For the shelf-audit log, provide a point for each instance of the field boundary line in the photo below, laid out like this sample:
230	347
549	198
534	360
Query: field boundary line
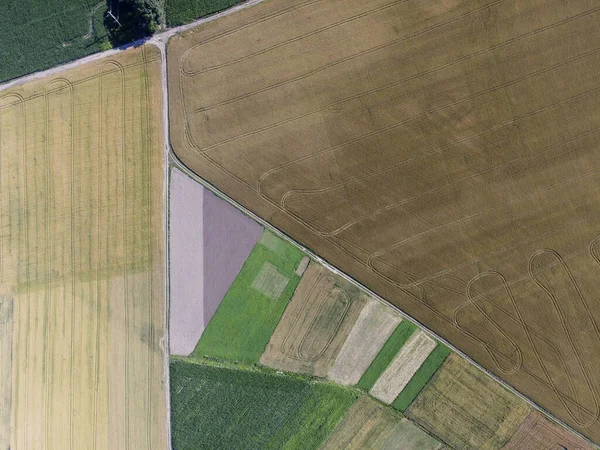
160	44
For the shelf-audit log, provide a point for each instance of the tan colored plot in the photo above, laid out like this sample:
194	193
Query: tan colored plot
400	371
466	408
370	425
81	223
445	154
315	324
538	433
373	327
6	310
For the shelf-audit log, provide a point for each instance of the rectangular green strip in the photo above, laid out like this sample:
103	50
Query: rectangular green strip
421	377
387	354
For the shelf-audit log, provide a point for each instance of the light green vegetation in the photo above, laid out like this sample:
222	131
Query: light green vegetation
421	377
386	354
220	408
180	12
38	34
247	316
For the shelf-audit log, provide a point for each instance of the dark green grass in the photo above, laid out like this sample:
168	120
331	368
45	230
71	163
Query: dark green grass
386	354
421	377
246	318
217	408
180	12
39	34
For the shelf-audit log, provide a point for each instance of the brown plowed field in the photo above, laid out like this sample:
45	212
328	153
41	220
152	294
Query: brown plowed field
446	154
538	433
315	324
81	244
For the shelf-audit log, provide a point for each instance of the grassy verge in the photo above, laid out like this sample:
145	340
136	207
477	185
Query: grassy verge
180	12
386	354
246	318
421	377
222	408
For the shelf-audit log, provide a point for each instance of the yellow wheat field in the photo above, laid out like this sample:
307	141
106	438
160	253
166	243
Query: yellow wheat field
81	245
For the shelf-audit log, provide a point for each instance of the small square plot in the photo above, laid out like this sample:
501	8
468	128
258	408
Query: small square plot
270	282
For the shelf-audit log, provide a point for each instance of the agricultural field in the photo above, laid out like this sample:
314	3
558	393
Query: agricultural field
421	377
461	187
370	425
466	408
222	408
246	317
39	34
81	244
538	433
6	326
180	12
387	354
404	366
370	332
209	241
315	325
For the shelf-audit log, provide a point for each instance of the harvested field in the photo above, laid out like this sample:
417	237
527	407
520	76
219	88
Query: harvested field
6	325
217	408
373	327
461	186
245	319
316	323
421	377
538	433
370	425
466	408
404	366
81	240
387	353
209	242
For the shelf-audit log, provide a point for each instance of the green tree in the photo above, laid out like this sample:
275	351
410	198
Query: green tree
130	20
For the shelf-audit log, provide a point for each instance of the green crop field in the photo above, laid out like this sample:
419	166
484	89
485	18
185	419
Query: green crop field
420	379
251	309
180	12
38	34
219	408
386	354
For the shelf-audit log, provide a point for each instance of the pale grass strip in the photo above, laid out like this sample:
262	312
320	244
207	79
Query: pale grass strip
404	366
372	329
